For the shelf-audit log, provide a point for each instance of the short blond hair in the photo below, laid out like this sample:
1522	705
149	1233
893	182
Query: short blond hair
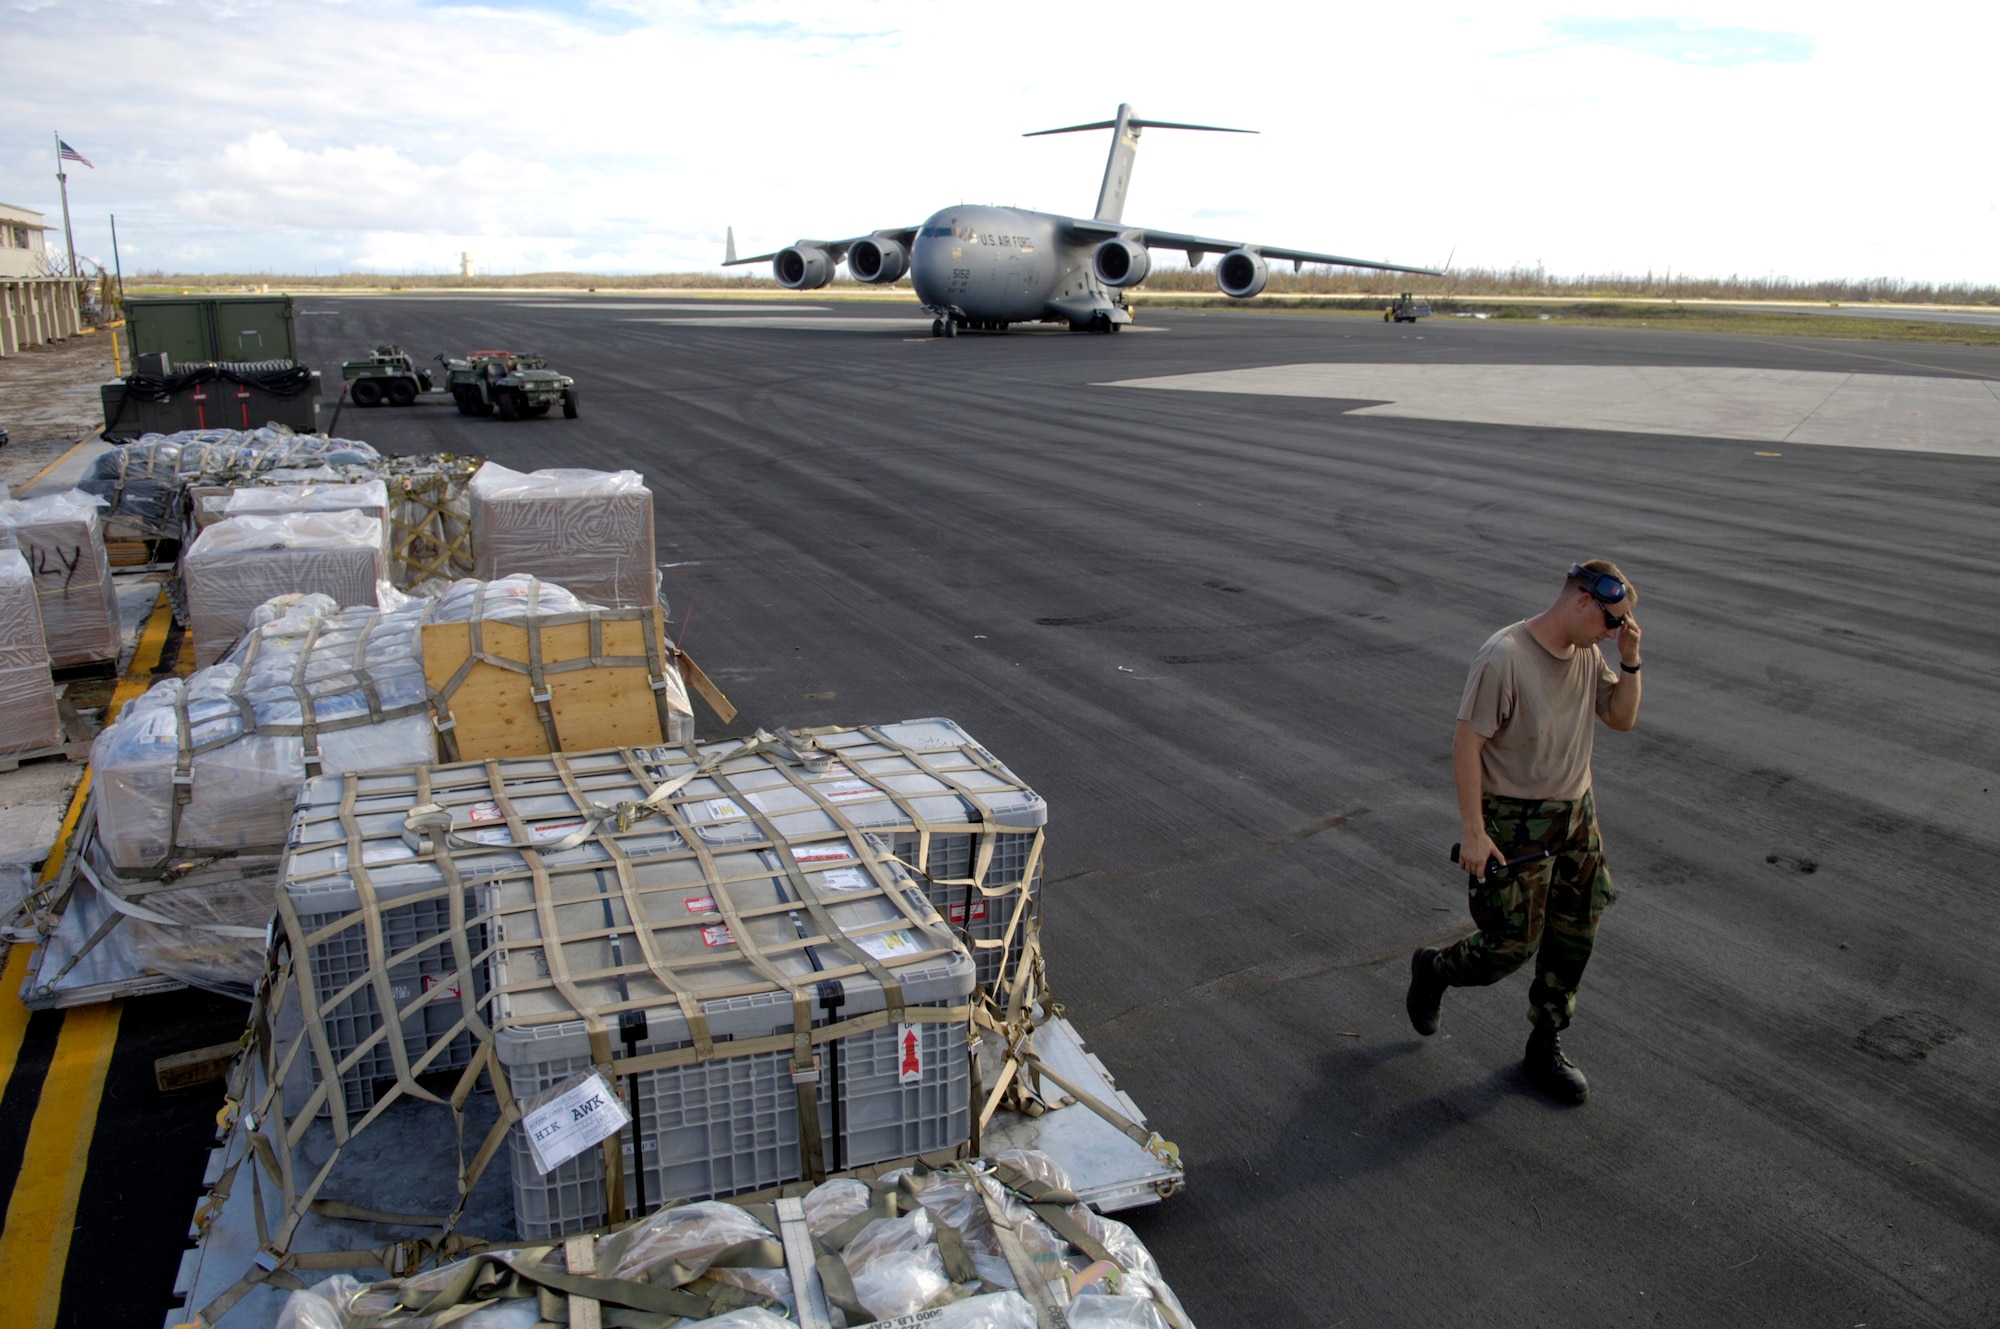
1605	565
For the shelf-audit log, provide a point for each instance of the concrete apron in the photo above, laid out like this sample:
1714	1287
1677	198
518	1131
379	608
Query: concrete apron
1960	416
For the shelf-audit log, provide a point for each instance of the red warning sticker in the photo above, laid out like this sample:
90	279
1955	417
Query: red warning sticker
978	912
717	934
909	1055
701	904
821	853
439	990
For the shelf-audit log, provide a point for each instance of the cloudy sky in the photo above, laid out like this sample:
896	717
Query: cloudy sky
1802	139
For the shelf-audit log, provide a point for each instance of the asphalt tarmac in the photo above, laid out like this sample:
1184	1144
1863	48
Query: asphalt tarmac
1225	634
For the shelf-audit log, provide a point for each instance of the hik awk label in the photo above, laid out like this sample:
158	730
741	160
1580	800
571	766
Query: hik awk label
585	1114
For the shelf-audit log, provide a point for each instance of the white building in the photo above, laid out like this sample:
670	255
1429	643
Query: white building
36	306
23	253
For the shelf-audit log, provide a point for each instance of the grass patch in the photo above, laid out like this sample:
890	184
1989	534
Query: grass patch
1615	314
1758	322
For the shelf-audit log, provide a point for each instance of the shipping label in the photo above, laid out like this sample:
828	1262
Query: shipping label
585	1114
846	879
889	945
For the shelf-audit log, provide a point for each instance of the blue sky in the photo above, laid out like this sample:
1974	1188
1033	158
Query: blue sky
624	135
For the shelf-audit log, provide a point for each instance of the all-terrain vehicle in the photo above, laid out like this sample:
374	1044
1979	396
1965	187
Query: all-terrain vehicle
388	374
507	384
1408	309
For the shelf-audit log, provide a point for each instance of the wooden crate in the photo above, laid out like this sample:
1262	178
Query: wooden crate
492	711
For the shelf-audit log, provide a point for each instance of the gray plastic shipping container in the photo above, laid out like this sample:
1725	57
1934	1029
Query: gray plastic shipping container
969	910
729	1124
417	930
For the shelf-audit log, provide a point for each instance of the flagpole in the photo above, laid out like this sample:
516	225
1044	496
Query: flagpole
63	180
118	266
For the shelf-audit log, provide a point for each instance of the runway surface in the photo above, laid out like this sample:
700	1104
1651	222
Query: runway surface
1224	634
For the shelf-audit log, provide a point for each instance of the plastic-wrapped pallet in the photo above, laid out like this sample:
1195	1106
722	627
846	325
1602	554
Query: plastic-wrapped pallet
872	1251
215	763
62	538
804	1007
368	497
142	481
240	562
28	717
206	928
591	531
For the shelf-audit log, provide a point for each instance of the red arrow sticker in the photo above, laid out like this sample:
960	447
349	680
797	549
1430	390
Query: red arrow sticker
910	1055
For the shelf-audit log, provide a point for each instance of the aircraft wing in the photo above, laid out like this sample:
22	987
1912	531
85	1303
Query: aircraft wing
836	249
1200	246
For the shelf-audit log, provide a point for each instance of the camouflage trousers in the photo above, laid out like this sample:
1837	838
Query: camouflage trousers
1548	909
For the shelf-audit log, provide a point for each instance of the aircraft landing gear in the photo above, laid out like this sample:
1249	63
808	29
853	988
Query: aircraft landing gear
937	327
1103	323
951	327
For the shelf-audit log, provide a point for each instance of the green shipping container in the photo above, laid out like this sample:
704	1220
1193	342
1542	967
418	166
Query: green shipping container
192	329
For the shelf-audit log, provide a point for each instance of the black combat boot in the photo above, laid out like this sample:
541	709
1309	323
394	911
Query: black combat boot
1550	1070
1426	991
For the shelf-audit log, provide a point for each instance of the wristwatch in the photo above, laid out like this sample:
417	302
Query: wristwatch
1631	668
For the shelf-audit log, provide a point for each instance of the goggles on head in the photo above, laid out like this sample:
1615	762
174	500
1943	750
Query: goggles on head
1599	586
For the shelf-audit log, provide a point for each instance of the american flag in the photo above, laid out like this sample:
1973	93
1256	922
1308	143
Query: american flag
70	154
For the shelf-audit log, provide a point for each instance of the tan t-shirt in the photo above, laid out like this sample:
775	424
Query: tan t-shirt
1537	713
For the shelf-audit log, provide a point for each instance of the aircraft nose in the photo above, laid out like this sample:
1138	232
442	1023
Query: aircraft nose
930	269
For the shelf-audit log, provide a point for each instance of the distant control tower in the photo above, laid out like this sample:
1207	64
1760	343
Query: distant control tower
466	267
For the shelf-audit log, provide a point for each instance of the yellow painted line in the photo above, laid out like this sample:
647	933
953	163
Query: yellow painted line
67	454
145	657
34	1246
34	1243
13	1015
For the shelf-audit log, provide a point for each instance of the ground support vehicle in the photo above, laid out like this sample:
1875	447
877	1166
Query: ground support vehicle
1407	309
210	362
389	375
507	384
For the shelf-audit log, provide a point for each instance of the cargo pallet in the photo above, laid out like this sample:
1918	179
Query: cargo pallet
1111	1171
67	751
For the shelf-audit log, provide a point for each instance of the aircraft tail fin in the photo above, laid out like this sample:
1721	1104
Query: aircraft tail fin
1124	147
729	250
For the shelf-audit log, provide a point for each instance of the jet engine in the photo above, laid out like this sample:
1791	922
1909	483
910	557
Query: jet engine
1122	263
802	268
877	260
1242	273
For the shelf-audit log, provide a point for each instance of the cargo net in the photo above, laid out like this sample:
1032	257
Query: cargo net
463	937
194	784
430	523
426	508
143	482
997	1243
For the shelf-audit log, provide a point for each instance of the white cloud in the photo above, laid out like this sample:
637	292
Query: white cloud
625	134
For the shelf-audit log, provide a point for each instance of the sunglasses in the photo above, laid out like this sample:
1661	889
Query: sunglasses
1603	588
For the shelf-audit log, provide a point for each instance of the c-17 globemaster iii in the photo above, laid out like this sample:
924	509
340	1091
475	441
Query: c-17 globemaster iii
987	267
